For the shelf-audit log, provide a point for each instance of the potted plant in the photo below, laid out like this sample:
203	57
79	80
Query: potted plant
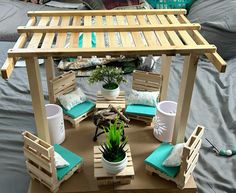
114	158
111	78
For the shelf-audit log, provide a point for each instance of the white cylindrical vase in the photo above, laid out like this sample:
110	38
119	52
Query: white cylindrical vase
55	123
165	120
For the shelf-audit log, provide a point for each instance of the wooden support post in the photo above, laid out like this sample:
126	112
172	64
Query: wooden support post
185	94
50	73
165	71
36	92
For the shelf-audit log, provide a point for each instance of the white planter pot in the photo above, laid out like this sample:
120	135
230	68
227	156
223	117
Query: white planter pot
114	167
110	94
165	120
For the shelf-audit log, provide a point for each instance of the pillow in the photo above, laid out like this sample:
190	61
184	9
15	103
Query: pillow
170	4
218	22
72	99
174	159
60	162
143	98
111	4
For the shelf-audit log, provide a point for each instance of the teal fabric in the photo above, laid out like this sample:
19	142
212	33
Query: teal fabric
79	109
158	156
170	4
93	38
70	157
141	110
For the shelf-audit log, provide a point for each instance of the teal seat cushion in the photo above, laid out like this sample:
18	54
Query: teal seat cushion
70	157
158	156
141	110
79	109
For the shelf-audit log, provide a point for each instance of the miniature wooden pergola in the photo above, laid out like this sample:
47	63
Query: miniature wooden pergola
141	32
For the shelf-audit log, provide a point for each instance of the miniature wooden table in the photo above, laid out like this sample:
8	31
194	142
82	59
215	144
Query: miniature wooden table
142	32
102	103
142	143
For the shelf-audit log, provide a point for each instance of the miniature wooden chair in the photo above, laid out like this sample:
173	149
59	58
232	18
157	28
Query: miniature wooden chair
144	81
40	161
181	174
62	85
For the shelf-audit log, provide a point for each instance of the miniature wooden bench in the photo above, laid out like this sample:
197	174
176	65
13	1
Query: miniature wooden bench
189	159
40	161
145	81
103	178
64	84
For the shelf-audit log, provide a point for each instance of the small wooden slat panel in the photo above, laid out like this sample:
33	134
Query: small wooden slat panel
102	103
112	40
38	146
100	172
74	38
36	37
87	36
125	37
100	41
146	81
143	118
61	37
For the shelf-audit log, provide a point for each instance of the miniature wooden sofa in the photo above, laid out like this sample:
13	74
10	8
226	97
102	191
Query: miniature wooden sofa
62	85
181	174
144	81
40	161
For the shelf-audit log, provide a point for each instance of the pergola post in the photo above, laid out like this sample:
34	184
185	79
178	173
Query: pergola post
185	95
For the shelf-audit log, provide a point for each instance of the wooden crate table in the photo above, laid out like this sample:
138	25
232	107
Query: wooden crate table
102	103
103	178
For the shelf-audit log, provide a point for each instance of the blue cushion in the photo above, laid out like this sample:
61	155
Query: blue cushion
141	110
158	156
70	157
79	109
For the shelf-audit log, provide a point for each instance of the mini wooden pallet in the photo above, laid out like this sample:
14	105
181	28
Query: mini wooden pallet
147	120
189	159
64	84
103	178
102	103
40	162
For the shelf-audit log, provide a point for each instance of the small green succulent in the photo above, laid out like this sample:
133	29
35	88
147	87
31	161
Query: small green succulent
113	150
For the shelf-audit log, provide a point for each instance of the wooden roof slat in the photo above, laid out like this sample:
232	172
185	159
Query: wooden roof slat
126	42
111	35
74	38
172	35
215	58
149	36
114	28
48	39
87	36
36	38
61	37
99	35
135	35
184	34
160	34
105	13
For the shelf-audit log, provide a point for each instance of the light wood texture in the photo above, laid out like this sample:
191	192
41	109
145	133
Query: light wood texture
40	162
141	142
189	159
102	103
184	100
103	178
50	74
61	37
146	81
36	92
62	85
165	72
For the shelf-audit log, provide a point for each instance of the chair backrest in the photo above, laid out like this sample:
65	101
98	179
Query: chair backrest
190	154
40	161
147	81
61	85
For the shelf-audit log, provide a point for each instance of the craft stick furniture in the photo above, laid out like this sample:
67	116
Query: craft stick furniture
65	84
145	81
189	159
40	162
142	32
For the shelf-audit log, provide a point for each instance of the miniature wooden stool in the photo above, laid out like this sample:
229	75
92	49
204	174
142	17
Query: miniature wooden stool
103	178
189	160
64	84
40	161
102	103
